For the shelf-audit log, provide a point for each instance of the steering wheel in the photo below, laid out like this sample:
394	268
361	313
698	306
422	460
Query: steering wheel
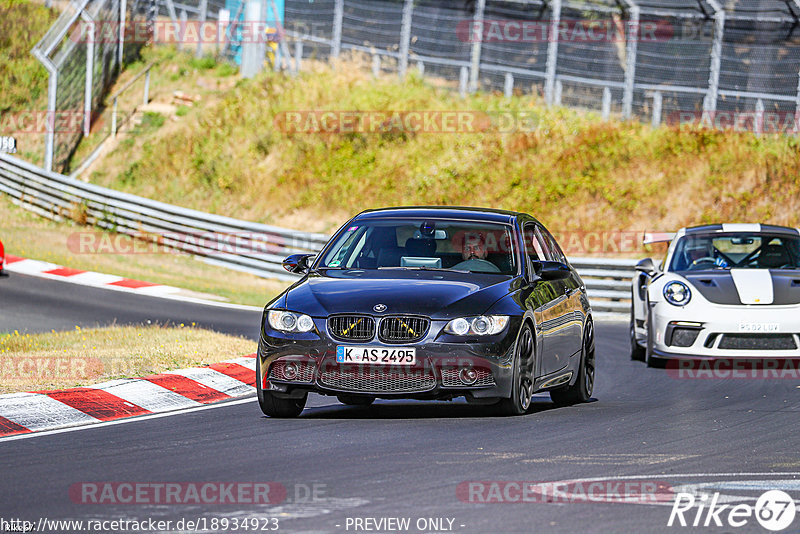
707	259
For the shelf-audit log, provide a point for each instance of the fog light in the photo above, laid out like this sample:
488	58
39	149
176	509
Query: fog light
468	376
290	371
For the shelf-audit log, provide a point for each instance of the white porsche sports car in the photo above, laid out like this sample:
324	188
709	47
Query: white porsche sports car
723	291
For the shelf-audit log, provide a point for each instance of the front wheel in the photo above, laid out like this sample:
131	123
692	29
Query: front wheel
522	386
273	406
581	390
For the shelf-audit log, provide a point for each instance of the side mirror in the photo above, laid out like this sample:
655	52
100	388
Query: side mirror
646	266
297	263
551	270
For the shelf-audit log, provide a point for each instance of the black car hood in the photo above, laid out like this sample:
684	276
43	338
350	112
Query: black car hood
720	287
432	293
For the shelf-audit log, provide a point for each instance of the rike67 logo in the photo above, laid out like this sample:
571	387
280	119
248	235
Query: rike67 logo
774	510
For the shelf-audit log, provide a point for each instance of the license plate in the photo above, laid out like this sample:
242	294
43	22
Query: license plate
376	355
759	327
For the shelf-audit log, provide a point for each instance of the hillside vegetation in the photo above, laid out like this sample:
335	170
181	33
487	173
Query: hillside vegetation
572	170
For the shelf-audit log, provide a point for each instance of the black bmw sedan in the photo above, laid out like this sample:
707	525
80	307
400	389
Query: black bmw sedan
429	303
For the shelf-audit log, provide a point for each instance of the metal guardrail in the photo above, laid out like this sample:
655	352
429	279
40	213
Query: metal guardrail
246	246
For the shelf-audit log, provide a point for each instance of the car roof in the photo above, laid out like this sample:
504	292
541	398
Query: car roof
449	212
726	227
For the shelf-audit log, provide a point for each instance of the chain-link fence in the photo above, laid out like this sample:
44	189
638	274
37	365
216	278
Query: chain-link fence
83	52
725	63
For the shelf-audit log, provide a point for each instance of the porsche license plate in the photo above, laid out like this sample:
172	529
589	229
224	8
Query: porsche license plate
747	326
376	355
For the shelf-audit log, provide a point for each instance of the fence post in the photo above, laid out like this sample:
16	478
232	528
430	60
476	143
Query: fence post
463	79
181	29
146	96
710	102
508	85
87	91
201	25
606	103
552	52
123	11
338	15
758	124
475	68
657	105
52	91
298	55
252	60
405	37
421	68
223	21
630	60
114	118
376	65
797	107
559	89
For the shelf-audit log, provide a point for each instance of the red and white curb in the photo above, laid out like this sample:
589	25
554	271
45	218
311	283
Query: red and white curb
53	271
22	413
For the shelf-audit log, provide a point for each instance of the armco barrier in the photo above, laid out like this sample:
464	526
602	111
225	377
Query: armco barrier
259	249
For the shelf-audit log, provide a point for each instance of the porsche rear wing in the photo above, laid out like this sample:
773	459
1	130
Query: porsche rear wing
657	237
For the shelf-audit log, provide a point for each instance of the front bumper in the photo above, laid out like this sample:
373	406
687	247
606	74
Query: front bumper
735	332
435	375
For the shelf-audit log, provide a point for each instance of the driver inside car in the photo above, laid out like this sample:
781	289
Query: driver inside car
474	254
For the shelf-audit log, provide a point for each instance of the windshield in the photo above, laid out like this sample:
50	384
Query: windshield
440	244
736	250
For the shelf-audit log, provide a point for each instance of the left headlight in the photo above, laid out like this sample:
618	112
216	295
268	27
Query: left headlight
677	293
286	321
485	325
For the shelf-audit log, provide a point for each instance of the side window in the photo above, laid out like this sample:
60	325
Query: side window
533	243
555	251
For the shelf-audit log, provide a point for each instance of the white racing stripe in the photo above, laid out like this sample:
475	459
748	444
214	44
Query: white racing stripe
753	285
90	279
145	394
37	412
215	380
33	267
741	227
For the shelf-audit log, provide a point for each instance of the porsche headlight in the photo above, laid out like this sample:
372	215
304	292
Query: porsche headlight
286	321
677	293
485	325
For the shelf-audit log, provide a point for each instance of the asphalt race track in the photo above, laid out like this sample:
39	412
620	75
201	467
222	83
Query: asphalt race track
407	459
31	304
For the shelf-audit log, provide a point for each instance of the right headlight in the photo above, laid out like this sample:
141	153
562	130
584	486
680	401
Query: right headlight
677	293
286	321
485	325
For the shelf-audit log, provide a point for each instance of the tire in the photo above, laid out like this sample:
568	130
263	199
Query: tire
355	400
582	389
273	406
522	385
638	353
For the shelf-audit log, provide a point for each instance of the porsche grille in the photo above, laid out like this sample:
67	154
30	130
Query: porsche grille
757	342
352	327
403	329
